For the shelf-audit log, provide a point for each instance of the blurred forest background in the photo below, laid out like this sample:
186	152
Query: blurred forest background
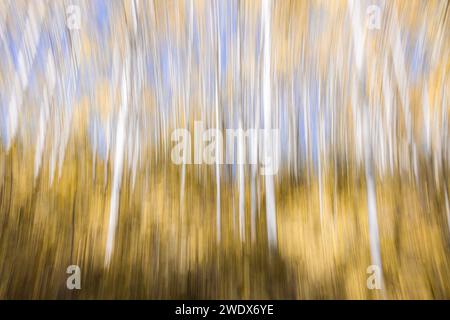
91	91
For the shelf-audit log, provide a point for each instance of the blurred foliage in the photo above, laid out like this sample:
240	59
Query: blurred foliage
55	205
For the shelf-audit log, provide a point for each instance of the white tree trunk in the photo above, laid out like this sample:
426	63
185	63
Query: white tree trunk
267	99
359	99
118	165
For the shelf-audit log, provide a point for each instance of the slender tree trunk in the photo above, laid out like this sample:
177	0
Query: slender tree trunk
268	141
358	43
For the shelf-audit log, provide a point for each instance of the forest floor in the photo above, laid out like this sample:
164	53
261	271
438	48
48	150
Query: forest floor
166	250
